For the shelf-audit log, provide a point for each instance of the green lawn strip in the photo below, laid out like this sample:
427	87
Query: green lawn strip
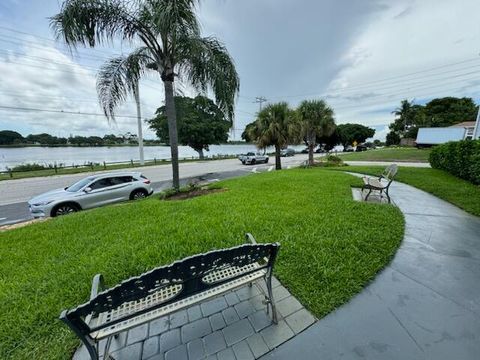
65	171
457	191
331	246
389	154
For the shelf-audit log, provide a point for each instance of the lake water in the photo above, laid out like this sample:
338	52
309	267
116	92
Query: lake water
68	156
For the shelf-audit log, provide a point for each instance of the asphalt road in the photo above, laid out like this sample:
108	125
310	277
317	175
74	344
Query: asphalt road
14	194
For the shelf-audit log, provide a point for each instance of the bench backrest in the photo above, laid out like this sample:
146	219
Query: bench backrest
182	278
390	172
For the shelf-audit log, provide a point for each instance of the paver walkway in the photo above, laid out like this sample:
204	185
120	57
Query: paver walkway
424	305
233	326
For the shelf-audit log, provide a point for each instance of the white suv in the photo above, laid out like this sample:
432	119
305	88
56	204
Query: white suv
92	191
251	158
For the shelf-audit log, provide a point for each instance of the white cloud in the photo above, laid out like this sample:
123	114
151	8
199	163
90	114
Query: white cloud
40	76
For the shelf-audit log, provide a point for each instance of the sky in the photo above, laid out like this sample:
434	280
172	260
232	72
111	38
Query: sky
361	56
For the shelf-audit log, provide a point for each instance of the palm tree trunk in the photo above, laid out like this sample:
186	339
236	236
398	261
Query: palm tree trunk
310	154
278	159
139	123
172	130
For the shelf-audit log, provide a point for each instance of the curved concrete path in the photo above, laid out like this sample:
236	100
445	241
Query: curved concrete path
424	305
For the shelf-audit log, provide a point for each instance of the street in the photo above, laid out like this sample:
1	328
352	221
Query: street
14	194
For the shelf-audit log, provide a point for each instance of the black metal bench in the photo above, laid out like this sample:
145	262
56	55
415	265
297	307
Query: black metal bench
167	289
376	183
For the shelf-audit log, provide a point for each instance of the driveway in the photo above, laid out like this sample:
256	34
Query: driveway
424	305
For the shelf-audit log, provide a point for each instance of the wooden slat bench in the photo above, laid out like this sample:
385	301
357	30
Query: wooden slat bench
377	183
167	289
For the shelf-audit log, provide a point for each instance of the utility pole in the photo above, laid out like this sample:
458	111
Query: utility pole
260	100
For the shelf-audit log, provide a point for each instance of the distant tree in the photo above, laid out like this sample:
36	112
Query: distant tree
316	120
329	142
448	111
350	133
377	142
8	137
111	139
403	117
200	123
276	125
45	139
392	138
245	133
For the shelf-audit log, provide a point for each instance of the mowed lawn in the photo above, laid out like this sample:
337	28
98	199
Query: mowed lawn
331	247
389	154
457	191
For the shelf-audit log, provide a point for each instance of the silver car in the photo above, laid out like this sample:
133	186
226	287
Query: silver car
93	191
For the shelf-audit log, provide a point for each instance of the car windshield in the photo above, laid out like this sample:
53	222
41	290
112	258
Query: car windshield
78	185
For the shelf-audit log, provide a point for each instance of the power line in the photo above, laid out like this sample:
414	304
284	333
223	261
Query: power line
17	108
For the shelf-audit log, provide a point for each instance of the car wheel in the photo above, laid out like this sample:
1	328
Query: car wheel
266	161
253	162
64	209
243	162
138	194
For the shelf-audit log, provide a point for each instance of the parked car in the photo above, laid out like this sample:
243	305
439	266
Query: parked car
287	152
90	192
320	150
361	147
252	158
348	148
305	151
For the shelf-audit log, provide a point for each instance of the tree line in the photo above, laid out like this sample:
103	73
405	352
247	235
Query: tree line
201	123
439	112
9	138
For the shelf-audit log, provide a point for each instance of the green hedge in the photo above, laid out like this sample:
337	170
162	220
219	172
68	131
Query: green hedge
460	158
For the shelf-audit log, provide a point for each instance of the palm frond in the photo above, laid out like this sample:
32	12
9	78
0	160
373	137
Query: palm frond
119	77
208	65
88	22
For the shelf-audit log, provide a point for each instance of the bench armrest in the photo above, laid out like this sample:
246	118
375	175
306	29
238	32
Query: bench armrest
97	286
250	239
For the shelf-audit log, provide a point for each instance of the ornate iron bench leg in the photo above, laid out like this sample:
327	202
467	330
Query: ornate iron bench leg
388	196
369	192
271	301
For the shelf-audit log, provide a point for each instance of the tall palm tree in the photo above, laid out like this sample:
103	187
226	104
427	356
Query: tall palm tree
316	119
404	113
171	44
275	126
119	77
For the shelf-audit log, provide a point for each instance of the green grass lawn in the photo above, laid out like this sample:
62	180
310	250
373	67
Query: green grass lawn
331	246
389	154
457	191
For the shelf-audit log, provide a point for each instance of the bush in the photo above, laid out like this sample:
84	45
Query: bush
28	167
459	158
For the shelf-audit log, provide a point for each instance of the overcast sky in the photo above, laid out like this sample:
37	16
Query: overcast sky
363	57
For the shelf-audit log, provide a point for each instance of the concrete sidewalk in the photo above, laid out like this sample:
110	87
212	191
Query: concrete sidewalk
424	305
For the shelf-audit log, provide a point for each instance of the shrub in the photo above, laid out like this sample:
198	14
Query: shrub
28	167
460	158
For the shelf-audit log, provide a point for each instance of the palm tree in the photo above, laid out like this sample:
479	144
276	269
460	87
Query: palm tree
274	126
316	119
171	44
118	77
404	113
